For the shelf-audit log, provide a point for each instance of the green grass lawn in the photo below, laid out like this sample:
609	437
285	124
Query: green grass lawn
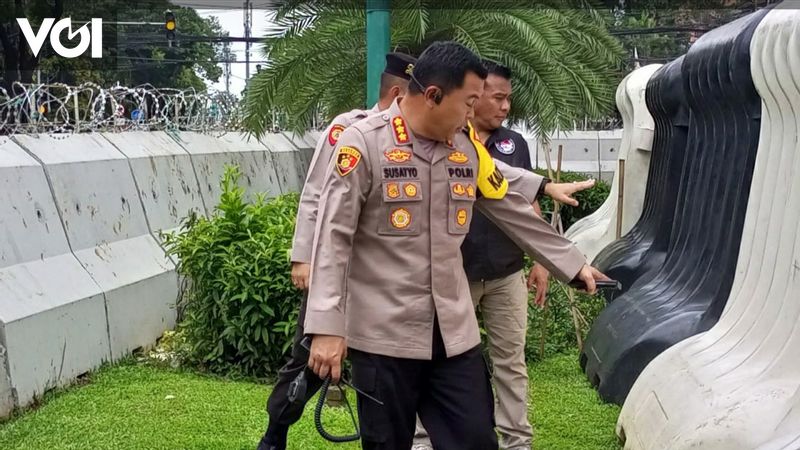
132	406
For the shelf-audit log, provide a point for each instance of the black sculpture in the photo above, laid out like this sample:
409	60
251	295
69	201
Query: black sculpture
686	294
644	247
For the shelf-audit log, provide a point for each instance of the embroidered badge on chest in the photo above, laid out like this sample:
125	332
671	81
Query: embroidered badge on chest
458	189
506	146
347	159
397	155
401	218
458	157
392	190
333	135
470	191
410	190
461	217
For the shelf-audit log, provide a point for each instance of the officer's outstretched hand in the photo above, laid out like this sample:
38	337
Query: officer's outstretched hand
300	274
562	192
327	353
588	275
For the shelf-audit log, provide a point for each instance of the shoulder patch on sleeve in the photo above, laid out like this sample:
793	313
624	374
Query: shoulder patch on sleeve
333	135
347	159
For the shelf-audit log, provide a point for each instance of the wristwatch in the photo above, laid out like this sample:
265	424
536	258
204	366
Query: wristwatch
545	180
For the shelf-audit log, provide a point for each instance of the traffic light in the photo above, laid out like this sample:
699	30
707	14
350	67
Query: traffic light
170	24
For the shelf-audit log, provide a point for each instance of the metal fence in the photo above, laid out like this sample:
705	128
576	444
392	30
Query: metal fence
60	108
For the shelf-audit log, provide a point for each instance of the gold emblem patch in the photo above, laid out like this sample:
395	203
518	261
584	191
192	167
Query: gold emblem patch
458	189
470	191
401	218
461	217
397	155
333	135
411	190
457	157
392	190
409	69
347	159
400	132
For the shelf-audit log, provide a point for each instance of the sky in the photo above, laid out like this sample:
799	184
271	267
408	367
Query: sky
232	21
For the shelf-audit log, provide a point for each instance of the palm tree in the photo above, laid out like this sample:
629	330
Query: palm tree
563	60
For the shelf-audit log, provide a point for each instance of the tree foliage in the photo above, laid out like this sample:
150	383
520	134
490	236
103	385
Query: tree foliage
132	54
563	59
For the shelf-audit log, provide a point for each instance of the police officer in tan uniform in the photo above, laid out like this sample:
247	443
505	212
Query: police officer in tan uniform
387	282
494	267
282	412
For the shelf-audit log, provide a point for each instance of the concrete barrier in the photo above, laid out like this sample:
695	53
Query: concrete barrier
105	224
686	295
288	163
164	176
737	386
210	154
637	162
256	161
305	145
593	153
52	313
591	234
83	279
644	248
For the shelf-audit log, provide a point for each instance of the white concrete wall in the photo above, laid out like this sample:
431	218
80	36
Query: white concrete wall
594	153
83	276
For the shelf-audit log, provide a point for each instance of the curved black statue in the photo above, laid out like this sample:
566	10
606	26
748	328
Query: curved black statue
644	247
687	293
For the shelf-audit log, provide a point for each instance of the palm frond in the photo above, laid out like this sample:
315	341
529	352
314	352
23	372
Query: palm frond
564	61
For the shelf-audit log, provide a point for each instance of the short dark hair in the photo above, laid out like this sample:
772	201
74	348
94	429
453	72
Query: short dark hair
387	81
445	64
495	68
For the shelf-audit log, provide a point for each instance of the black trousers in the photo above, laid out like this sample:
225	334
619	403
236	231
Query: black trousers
453	397
281	411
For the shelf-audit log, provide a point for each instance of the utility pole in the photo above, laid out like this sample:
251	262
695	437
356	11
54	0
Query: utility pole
228	57
378	14
248	28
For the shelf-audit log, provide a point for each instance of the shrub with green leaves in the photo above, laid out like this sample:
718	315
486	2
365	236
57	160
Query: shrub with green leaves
556	322
588	200
239	305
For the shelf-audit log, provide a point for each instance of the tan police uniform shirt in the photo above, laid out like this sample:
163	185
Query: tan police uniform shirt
309	199
387	256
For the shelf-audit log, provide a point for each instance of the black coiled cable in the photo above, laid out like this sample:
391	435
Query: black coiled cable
318	416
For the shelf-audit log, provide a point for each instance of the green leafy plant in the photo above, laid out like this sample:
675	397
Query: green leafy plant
556	322
239	308
588	200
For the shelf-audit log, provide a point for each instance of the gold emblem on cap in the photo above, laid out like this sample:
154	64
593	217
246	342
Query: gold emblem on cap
409	69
